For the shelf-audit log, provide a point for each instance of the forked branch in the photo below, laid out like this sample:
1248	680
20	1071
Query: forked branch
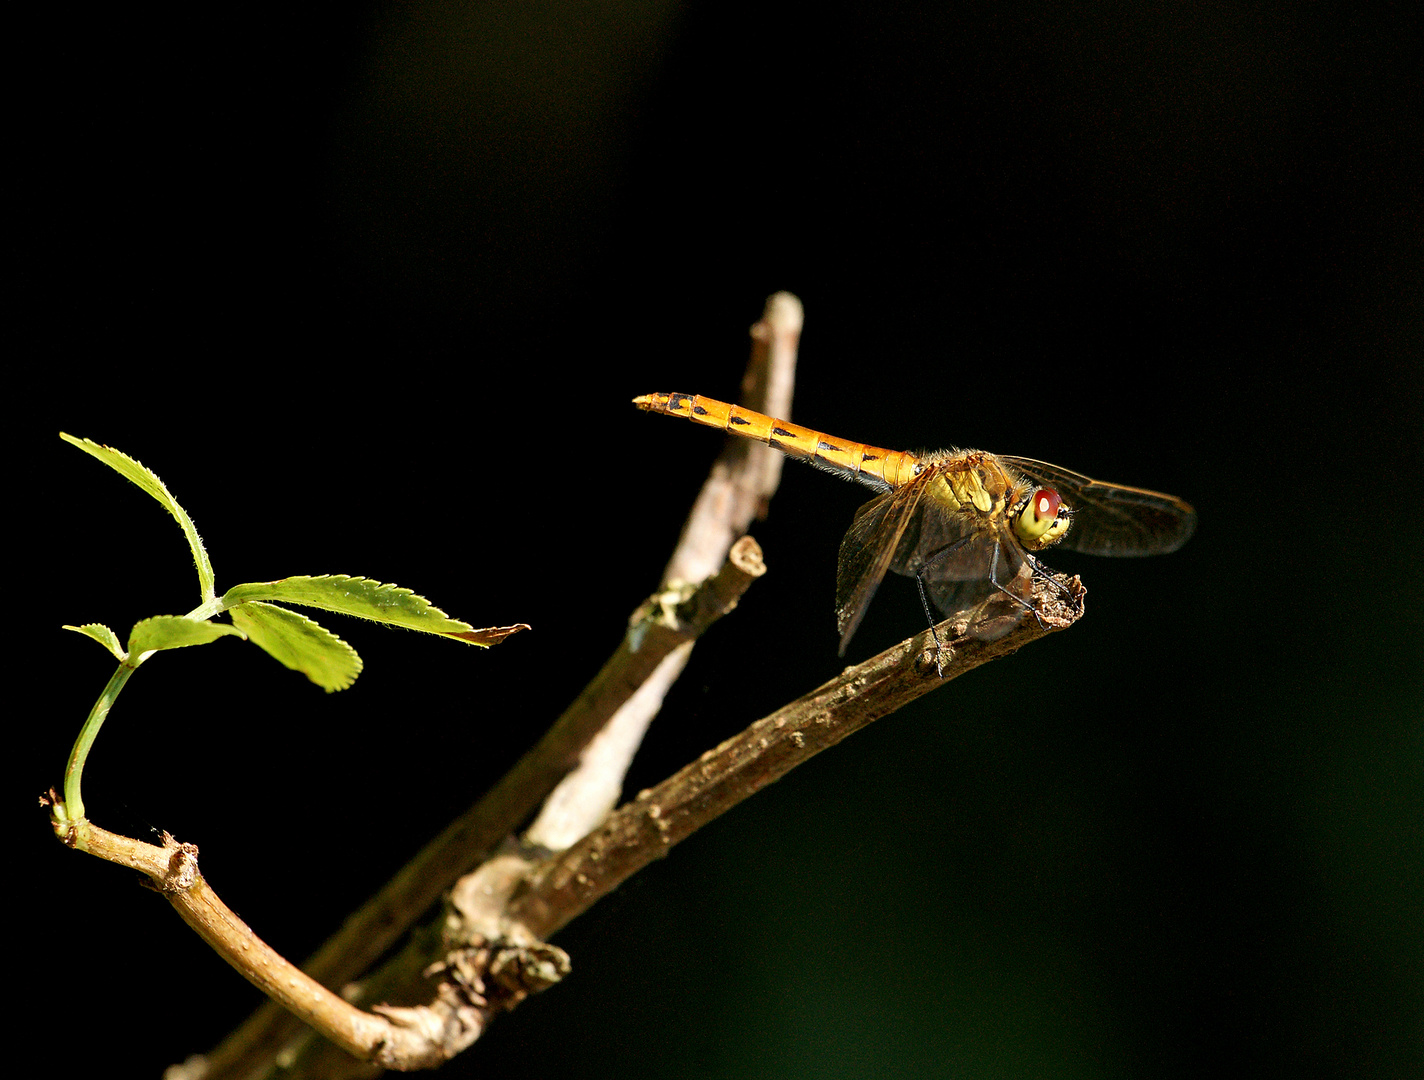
487	952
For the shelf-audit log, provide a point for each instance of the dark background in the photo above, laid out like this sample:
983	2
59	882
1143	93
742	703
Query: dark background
370	288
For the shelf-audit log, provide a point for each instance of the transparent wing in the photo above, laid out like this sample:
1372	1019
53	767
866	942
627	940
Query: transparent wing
880	537
1110	519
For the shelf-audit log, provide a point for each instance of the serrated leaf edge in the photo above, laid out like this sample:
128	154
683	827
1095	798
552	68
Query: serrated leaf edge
155	487
340	641
104	636
453	628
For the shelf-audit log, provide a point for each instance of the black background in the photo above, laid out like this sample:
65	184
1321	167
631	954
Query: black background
370	288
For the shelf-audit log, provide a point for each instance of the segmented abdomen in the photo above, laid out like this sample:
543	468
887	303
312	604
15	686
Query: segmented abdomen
873	465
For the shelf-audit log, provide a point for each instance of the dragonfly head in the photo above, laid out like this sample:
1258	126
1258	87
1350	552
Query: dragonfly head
1041	519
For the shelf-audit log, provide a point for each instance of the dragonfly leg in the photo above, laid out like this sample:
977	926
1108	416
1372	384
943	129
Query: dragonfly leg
925	564
929	614
994	581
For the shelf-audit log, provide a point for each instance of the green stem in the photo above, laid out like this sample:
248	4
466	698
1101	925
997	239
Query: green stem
207	609
73	804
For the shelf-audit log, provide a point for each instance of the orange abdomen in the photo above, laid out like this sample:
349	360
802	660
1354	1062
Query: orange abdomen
873	465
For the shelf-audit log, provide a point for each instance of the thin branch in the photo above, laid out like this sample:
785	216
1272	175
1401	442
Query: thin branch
739	486
567	884
588	793
173	871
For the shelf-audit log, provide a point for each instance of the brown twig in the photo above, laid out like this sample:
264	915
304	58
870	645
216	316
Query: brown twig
589	792
173	871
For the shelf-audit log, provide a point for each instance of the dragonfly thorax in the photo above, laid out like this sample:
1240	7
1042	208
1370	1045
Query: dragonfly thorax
966	481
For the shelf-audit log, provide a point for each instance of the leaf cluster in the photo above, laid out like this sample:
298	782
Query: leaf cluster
258	610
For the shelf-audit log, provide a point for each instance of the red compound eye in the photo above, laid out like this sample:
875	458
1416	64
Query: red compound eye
1046	502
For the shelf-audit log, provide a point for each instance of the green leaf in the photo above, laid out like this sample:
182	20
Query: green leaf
299	643
173	632
364	599
104	636
132	470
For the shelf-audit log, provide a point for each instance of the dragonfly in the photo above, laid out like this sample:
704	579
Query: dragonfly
967	525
